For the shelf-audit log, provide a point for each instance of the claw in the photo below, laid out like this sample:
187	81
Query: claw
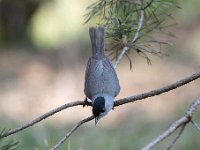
85	102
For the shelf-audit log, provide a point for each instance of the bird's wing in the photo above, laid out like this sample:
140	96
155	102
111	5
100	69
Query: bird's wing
87	84
93	78
101	77
113	76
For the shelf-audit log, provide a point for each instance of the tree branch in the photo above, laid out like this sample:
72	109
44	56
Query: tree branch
120	56
179	123
125	49
196	125
158	91
44	116
177	137
72	131
116	103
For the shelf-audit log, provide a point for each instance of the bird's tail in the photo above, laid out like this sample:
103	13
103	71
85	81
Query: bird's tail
97	41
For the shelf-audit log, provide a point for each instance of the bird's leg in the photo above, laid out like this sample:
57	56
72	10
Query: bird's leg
113	108
86	103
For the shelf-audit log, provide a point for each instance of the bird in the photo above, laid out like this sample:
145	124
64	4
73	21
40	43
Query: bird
101	81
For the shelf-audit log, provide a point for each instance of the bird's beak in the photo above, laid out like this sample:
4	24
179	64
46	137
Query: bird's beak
96	120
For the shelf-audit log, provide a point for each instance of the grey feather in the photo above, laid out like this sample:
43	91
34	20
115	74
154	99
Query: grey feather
101	78
100	74
97	41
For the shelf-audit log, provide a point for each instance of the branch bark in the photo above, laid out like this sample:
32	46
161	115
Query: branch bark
44	116
158	91
179	123
72	131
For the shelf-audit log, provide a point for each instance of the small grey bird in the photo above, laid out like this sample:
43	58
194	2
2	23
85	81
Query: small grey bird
101	82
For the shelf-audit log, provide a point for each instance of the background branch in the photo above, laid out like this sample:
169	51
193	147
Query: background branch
195	125
177	137
120	56
72	131
179	123
125	49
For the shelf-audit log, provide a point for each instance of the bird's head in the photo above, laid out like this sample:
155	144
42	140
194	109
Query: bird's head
101	106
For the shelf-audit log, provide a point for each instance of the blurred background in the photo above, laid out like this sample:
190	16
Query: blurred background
44	47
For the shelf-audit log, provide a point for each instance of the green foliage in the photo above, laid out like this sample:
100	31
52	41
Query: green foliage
121	17
7	145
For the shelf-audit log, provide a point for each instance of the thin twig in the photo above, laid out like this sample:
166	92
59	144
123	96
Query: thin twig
167	133
158	91
177	137
44	116
72	131
134	38
117	103
196	125
139	26
180	122
120	56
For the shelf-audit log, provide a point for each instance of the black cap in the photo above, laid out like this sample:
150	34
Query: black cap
98	106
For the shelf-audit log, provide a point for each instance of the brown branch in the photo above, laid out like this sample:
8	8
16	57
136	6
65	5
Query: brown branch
158	91
179	123
117	103
44	116
72	131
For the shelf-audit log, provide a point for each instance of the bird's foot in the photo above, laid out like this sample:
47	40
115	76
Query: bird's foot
113	108
86	103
